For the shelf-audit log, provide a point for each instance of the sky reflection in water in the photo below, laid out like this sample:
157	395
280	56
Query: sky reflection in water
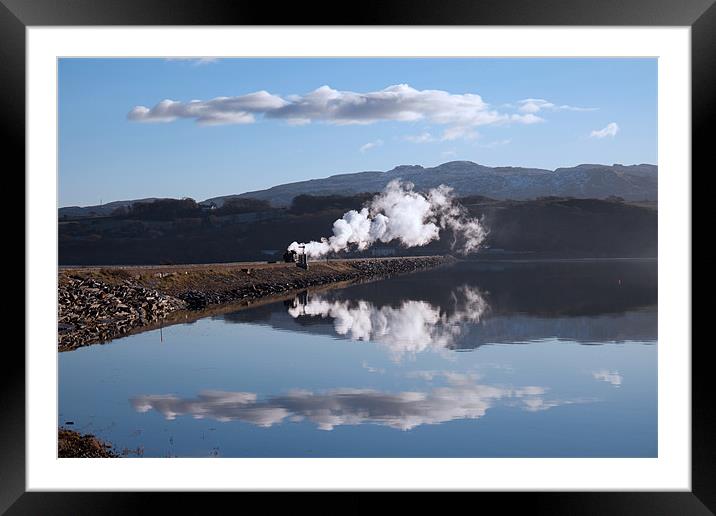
563	363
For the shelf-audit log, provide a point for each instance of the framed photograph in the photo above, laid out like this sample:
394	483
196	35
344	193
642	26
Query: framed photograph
417	248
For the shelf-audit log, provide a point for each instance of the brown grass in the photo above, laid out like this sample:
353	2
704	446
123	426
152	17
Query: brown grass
175	279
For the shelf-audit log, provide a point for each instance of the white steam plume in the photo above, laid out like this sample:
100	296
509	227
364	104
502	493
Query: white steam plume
400	213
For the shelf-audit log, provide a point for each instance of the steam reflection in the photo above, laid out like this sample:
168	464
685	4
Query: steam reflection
412	327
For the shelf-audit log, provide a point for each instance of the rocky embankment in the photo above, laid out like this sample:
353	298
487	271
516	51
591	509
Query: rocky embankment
71	444
99	304
95	311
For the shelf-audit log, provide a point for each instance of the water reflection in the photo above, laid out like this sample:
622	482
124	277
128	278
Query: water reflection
411	327
612	377
461	398
473	304
284	374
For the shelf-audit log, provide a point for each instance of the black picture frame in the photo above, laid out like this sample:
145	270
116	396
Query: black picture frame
16	15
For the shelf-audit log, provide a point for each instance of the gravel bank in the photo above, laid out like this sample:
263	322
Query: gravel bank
73	444
99	304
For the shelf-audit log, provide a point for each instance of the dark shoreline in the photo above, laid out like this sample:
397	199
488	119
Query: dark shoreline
100	304
71	444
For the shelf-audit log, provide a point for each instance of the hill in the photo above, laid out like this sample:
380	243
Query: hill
545	227
100	210
634	182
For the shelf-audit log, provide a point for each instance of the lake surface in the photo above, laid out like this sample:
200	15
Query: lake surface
476	359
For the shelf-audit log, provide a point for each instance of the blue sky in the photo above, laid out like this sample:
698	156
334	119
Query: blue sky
117	142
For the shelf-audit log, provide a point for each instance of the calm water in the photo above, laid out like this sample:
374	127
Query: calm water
471	360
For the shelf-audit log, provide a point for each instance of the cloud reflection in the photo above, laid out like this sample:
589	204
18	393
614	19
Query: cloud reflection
461	398
412	327
612	377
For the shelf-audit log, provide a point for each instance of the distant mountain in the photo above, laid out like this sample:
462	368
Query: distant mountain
545	228
633	182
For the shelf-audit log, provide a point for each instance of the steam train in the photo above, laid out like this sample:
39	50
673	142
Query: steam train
300	259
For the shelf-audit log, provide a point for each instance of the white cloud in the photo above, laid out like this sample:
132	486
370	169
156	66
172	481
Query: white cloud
195	60
221	110
459	132
371	145
612	377
419	138
495	143
610	130
527	119
399	102
532	106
